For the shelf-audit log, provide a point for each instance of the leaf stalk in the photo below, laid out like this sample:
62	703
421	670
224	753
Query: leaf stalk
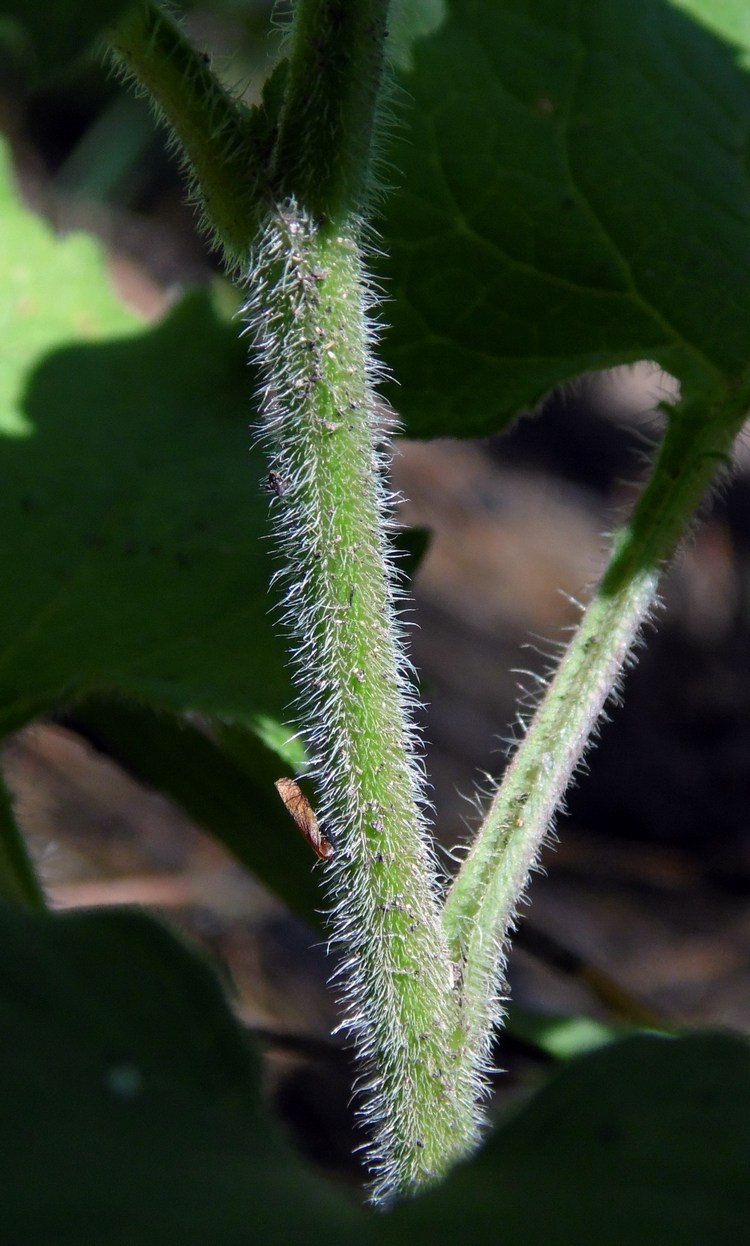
481	906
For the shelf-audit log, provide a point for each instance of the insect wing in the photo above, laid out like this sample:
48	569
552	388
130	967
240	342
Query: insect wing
304	816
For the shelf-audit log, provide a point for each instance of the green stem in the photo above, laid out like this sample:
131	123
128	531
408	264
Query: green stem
308	312
323	425
481	906
19	884
224	147
323	156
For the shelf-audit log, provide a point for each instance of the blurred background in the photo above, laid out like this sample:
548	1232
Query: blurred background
643	908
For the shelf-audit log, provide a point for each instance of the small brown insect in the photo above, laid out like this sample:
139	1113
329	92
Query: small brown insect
302	811
275	483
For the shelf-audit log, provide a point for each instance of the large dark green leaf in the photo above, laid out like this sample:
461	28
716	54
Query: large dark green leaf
131	1110
572	195
131	1114
644	1141
131	510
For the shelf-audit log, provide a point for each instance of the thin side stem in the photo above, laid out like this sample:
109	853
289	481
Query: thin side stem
481	906
224	147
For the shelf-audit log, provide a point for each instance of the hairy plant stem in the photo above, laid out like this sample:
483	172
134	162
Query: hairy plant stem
308	313
480	909
322	424
223	146
323	155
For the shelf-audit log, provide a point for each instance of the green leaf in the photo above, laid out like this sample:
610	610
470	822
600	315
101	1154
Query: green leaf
562	1037
572	196
131	509
729	19
644	1141
55	34
408	21
131	1108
